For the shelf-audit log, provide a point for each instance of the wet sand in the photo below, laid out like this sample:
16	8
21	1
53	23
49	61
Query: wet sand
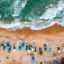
52	36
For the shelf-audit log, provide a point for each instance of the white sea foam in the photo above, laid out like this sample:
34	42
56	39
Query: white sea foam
40	24
33	25
61	22
51	12
17	8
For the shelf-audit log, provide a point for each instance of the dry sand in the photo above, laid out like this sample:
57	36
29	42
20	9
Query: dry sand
53	35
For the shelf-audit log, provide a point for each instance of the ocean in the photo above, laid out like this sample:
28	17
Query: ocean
36	14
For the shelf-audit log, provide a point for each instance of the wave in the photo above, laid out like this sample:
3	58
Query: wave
17	8
33	25
47	11
52	12
36	14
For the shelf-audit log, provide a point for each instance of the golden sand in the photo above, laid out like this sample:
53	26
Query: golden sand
50	35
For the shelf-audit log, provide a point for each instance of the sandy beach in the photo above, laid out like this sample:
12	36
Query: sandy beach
52	36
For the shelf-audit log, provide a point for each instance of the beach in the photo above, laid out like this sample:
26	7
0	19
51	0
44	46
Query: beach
52	36
31	31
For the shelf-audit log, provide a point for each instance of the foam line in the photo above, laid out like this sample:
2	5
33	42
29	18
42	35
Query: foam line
51	12
32	25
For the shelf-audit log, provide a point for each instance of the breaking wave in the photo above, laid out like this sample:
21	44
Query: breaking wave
36	14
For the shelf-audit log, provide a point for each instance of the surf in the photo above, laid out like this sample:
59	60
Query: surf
52	15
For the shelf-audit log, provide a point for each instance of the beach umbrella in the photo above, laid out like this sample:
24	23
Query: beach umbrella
14	47
35	49
27	46
32	59
3	46
58	48
62	60
40	51
63	48
45	47
9	49
8	46
21	45
54	56
30	47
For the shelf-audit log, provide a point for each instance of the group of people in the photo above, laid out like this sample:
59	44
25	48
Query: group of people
28	47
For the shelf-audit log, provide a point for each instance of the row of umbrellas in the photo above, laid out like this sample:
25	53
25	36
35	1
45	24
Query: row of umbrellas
28	47
57	61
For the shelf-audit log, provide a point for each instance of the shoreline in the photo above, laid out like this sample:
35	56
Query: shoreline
52	30
51	35
32	25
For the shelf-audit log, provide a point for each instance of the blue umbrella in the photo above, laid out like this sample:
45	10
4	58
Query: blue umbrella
21	45
9	49
27	46
8	46
32	59
35	50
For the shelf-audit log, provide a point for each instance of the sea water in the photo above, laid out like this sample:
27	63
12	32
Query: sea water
36	14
